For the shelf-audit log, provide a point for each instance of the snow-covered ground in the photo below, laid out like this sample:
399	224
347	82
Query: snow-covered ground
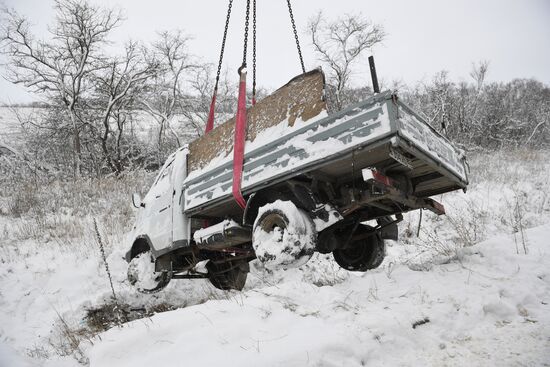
473	288
489	307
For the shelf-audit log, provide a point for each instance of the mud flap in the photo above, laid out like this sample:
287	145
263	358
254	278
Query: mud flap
388	230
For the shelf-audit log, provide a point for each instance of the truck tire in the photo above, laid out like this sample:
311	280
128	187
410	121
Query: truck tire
142	275
229	275
283	235
362	255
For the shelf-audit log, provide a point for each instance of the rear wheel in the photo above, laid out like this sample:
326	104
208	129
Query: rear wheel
142	274
228	275
283	235
362	255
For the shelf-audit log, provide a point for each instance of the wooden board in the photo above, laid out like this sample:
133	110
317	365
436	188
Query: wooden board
302	97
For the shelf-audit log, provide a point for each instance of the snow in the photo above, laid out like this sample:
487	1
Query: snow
202	234
491	308
480	275
288	247
10	358
142	269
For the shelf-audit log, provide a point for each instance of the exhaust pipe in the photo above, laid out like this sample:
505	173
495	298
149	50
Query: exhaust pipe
375	86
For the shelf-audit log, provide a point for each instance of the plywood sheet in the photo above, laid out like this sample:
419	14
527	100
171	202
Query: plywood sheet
301	98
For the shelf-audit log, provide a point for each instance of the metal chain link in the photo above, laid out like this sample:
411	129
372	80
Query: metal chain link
246	32
254	48
296	35
223	42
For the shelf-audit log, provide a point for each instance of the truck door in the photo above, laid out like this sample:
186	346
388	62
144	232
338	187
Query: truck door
160	211
180	223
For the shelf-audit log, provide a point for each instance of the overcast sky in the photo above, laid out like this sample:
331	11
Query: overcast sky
424	36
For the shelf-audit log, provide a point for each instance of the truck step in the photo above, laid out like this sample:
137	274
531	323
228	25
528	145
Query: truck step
227	233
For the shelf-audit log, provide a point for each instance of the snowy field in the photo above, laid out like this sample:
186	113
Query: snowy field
469	288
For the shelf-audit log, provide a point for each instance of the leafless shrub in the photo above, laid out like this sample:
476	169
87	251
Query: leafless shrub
517	221
339	44
22	202
65	340
468	227
485	116
38	352
438	246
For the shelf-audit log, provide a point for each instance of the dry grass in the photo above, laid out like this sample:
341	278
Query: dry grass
60	213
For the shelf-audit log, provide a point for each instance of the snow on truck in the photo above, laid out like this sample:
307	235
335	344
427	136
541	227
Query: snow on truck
310	182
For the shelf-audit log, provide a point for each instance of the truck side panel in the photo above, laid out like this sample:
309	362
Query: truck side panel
303	147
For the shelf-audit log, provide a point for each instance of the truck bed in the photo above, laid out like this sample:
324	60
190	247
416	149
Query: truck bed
380	132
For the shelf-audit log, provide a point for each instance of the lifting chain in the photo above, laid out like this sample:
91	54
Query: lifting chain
223	43
246	21
296	35
253	51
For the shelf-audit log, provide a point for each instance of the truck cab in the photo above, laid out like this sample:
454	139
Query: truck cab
160	221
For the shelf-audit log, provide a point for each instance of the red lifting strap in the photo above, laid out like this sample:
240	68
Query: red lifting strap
210	122
240	132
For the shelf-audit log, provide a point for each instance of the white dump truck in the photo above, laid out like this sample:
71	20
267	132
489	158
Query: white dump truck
311	182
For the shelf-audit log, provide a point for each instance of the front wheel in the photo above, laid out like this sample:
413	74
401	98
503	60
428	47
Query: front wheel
362	255
142	274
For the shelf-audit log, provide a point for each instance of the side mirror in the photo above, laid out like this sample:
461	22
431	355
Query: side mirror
136	200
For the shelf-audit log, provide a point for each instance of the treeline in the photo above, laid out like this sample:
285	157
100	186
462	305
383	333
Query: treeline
489	116
97	101
110	113
475	114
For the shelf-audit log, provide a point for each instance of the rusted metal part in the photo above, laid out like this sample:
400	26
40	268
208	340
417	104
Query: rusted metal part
382	191
189	276
248	256
434	206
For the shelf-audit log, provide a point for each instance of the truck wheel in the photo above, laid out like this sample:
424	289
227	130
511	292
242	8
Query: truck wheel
283	235
229	275
362	255
142	275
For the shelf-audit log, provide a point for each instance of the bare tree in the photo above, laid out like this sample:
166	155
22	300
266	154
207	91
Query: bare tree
165	91
479	73
116	91
339	44
60	68
195	105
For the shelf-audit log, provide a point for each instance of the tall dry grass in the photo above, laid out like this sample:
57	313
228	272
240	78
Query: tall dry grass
60	212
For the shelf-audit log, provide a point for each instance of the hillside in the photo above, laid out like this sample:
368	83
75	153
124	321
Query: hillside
475	284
